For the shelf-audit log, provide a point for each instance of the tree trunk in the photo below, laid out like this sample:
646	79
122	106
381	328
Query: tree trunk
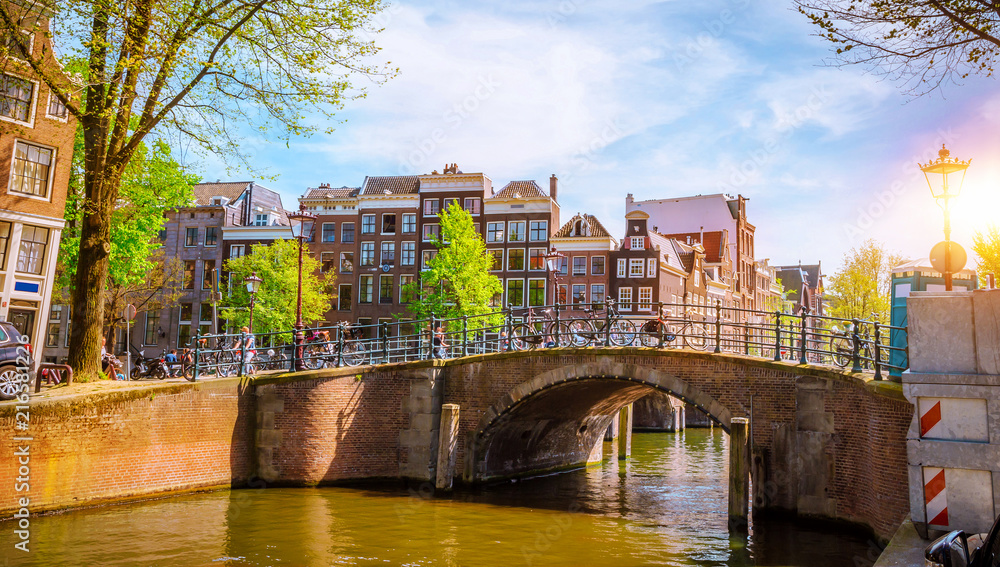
88	294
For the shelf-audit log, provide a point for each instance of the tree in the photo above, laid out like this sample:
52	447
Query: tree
277	264
138	272
861	286
201	68
458	281
924	43
986	246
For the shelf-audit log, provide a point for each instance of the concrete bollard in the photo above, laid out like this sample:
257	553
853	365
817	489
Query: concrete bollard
739	473
447	439
625	432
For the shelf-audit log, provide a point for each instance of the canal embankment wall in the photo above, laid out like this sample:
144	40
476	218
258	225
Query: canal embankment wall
825	444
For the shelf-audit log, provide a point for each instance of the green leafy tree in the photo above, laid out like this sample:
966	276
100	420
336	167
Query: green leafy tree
861	286
986	247
458	281
277	264
205	69
922	43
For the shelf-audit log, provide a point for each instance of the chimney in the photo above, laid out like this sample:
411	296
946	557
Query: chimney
553	182
701	235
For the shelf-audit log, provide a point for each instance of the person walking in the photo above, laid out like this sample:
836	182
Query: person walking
440	346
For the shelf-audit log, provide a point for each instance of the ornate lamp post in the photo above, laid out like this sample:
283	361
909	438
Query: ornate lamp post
253	284
302	225
943	193
553	261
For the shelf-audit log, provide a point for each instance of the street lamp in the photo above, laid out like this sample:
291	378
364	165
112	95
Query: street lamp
301	225
253	284
943	193
553	261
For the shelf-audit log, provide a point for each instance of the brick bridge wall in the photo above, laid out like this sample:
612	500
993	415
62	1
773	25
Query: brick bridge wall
827	443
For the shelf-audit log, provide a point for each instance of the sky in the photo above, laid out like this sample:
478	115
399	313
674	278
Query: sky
659	99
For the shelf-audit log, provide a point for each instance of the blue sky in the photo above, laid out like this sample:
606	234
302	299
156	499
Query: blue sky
659	99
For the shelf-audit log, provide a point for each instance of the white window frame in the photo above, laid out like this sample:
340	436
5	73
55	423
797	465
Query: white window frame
637	243
477	206
499	266
365	217
34	102
601	297
651	268
424	236
423	263
425	207
387	245
371	289
406	217
624	299
489	232
197	233
524	260
604	265
403	283
506	290
52	169
412	251
573	266
645	299
322	232
544	228
234	247
340	293
510	231
635	268
257	219
398	226
361	251
621	267
545	291
528	260
48	105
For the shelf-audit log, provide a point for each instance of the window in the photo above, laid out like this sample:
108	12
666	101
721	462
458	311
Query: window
562	294
536	259
367	254
625	299
426	257
365	289
4	239
346	262
539	231
472	205
635	268
208	275
406	295
431	207
56	108
31	254
329	232
186	310
388	253
367	224
189	274
494	232
52	337
515	293
516	233
597	265
152	324
651	268
449	202
344	297
55	312
638	243
431	230
183	334
385	289
191	236
211	235
30	169
15	97
536	293
388	223
13	46
347	232
237	250
408	255
579	265
206	312
409	224
621	267
697	277
597	293
497	260
515	259
579	293
328	261
645	298
563	266
262	219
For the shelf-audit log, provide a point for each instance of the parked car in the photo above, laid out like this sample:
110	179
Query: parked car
952	550
10	340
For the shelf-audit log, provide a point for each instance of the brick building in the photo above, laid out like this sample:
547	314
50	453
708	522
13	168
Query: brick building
803	285
586	269
334	243
36	148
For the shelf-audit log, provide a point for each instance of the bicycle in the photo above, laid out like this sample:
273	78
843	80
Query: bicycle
694	333
322	353
221	361
583	332
270	360
527	335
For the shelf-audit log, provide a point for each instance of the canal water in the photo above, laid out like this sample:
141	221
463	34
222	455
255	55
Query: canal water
666	506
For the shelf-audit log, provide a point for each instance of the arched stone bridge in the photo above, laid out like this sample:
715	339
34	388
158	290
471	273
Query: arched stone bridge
824	442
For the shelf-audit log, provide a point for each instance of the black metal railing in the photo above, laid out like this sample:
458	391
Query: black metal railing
860	345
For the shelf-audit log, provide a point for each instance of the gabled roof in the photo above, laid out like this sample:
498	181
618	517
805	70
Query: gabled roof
809	273
391	185
331	192
203	192
669	253
597	229
520	190
714	243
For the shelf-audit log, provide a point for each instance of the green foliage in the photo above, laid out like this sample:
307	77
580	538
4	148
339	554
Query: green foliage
458	281
986	246
923	43
861	287
277	265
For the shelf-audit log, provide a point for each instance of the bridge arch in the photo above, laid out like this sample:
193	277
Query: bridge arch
558	417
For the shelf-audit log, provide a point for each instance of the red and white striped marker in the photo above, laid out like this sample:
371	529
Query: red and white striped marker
930	419
936	497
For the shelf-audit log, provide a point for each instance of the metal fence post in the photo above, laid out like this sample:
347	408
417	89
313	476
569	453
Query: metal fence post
556	308
384	331
243	354
802	339
718	326
855	347
746	338
197	350
607	323
430	339
878	351
465	335
509	327
777	335
340	346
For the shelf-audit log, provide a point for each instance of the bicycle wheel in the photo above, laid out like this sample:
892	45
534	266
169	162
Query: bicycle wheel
354	354
840	350
278	362
622	333
696	336
649	334
312	357
226	364
577	333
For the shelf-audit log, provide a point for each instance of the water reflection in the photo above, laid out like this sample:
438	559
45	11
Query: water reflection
668	508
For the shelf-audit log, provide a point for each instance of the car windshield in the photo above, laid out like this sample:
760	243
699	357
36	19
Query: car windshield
3	335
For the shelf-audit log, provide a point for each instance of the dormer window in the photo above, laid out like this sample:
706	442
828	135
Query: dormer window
262	219
219	201
638	243
581	228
